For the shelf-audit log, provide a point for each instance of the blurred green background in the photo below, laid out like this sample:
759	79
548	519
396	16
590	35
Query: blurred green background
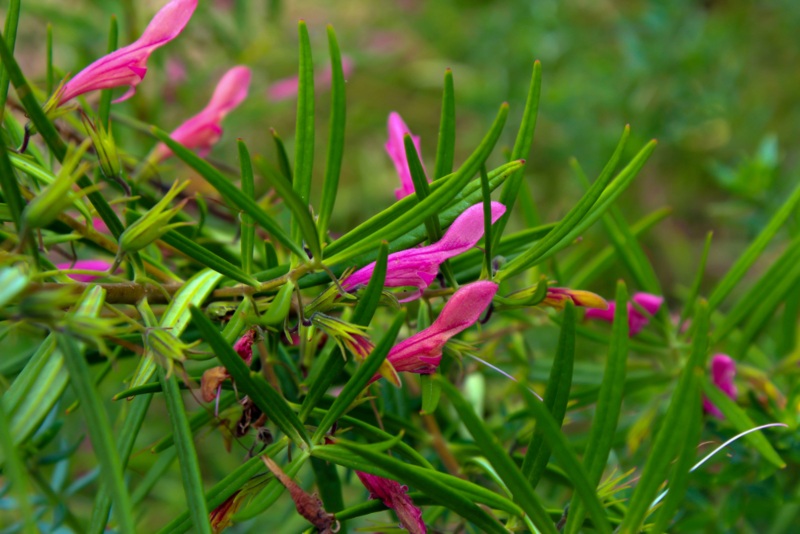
716	82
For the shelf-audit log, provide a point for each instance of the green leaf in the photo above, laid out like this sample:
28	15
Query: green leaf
550	429
333	166
438	199
556	397
609	406
421	187
176	317
229	191
15	474
522	148
353	388
536	253
446	145
10	32
10	189
371	296
301	217
694	291
742	422
520	488
431	391
248	238
283	158
99	431
304	128
487	223
263	395
448	494
753	252
187	456
12	282
328	484
669	442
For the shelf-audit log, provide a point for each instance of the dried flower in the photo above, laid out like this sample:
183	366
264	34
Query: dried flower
636	319
417	267
128	65
422	352
203	130
396	148
723	371
395	496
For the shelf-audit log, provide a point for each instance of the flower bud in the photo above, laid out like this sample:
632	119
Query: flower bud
153	224
104	146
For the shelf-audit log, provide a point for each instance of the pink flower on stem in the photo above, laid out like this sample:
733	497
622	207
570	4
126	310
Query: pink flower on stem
287	87
396	148
636	319
723	371
84	265
417	267
422	352
204	129
128	65
395	496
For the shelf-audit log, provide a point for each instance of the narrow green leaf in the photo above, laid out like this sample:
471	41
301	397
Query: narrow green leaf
421	187
609	405
333	166
521	491
679	478
694	291
753	252
10	189
742	422
446	144
370	298
283	157
328	484
438	199
99	431
535	253
550	429
10	32
360	379
263	395
487	223
207	258
176	317
556	397
229	191
304	128
15	474
431	392
131	425
50	77
301	216
444	493
248	238
187	456
522	148
669	443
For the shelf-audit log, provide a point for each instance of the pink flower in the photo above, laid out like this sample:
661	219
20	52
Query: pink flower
287	87
204	129
212	379
557	297
396	148
417	267
395	496
128	65
422	352
85	265
636	319
723	371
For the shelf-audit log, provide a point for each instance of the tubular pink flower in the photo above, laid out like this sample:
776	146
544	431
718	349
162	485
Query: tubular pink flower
85	265
723	371
636	319
128	65
422	352
417	267
203	130
287	87
395	496
395	147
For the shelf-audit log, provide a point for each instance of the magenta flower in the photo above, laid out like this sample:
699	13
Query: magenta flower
557	298
204	129
85	265
395	496
128	65
417	267
723	371
422	352
395	147
287	87
212	379
636	319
